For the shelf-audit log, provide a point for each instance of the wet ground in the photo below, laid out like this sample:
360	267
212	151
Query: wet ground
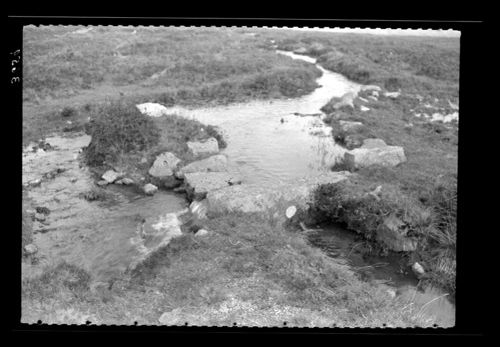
392	272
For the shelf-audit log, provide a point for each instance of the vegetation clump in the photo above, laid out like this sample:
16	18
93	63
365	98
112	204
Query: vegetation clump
118	129
68	112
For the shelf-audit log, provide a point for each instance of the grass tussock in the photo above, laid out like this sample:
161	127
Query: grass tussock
116	130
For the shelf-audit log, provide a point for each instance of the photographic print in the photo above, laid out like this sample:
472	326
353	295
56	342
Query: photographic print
248	176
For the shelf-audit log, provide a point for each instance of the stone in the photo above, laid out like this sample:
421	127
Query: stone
110	176
375	94
152	109
200	183
392	95
392	234
346	100
391	293
164	165
375	152
418	270
370	87
374	143
249	198
156	236
150	189
202	232
364	108
30	249
373	98
290	212
102	183
127	181
215	163
209	146
40	217
350	126
352	141
199	209
335	103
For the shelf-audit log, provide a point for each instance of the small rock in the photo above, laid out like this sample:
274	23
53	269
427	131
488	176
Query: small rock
418	270
375	94
209	146
371	87
164	165
39	217
102	183
391	292
364	109
127	181
152	109
144	160
119	182
73	180
30	249
199	209
290	212
202	232
35	183
350	126
110	176
150	189
392	95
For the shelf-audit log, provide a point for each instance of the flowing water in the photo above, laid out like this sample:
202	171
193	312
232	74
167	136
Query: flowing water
267	143
98	237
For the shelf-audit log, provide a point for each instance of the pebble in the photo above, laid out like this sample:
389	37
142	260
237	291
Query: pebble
102	183
30	249
39	217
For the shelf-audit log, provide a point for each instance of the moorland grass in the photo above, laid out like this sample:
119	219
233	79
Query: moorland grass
189	67
245	259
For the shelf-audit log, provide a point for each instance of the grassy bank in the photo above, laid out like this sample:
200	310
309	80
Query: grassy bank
190	67
247	272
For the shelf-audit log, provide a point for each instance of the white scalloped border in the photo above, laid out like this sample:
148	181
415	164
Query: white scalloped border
325	28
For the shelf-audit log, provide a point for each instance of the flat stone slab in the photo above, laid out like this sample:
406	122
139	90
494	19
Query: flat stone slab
209	146
164	165
152	109
276	200
350	126
370	87
375	152
200	183
110	176
215	163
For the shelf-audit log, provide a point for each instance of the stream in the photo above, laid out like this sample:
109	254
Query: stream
267	143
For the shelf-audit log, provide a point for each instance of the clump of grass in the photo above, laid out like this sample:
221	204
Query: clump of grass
350	203
69	112
63	280
117	129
